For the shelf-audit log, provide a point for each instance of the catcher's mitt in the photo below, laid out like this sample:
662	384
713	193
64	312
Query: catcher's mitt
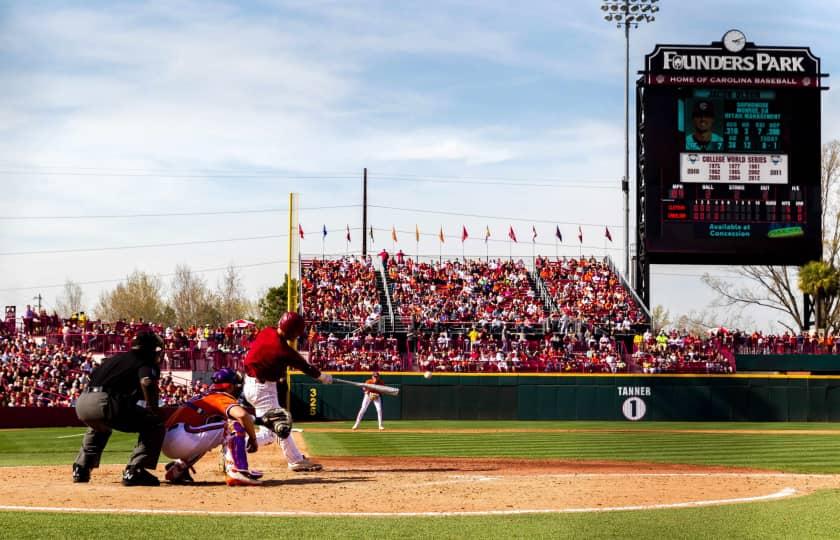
278	420
373	396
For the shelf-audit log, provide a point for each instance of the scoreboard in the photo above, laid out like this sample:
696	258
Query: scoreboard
729	155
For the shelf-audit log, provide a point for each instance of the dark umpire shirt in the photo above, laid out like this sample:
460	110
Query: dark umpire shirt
120	375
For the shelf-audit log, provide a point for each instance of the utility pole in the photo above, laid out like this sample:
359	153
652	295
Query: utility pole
364	213
38	298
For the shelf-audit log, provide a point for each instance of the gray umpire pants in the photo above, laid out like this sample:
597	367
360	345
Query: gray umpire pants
101	414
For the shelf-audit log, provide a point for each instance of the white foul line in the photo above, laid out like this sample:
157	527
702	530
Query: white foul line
69	436
786	492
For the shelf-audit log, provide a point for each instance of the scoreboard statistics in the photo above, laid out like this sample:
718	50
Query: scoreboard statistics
729	155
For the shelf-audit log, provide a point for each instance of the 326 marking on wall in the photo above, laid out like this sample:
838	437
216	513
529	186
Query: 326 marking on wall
313	402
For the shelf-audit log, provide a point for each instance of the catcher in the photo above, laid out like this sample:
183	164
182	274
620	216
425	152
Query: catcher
265	364
205	422
371	396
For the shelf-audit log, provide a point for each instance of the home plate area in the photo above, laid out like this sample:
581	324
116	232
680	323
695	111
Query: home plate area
412	486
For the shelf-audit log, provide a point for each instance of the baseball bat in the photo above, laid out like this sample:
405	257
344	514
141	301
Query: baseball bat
379	388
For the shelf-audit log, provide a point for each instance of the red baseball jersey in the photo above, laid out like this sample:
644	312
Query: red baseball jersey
270	355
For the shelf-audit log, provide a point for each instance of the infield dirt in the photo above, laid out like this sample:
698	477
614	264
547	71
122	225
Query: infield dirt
410	485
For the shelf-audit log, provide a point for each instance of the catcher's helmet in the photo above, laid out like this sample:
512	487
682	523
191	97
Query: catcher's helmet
291	324
146	341
226	380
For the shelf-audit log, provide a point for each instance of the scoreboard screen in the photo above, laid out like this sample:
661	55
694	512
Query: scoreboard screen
729	170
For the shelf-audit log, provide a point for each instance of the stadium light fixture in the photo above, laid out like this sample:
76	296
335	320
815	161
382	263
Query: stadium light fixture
628	14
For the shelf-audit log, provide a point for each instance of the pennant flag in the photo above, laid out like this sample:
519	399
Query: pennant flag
487	234
417	233
607	233
558	234
464	234
511	234
393	233
441	235
580	234
300	231
371	233
534	238
348	233
325	230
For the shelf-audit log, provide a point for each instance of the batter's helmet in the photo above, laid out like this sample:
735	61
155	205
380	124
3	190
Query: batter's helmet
291	324
146	341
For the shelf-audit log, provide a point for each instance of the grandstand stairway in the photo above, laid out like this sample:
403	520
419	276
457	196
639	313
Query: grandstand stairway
539	287
391	322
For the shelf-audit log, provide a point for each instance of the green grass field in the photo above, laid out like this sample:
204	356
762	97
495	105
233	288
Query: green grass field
791	448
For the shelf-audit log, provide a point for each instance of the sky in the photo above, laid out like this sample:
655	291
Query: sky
146	135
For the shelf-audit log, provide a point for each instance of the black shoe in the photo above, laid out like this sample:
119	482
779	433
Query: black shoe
80	474
139	477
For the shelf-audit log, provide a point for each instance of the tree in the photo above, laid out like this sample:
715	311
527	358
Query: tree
70	300
138	297
775	287
820	280
272	305
659	318
231	296
191	301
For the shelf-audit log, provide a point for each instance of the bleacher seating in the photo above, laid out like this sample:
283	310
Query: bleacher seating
340	291
449	294
589	289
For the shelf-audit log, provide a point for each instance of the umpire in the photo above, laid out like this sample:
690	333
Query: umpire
110	402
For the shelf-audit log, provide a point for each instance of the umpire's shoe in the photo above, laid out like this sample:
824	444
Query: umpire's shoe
80	474
138	476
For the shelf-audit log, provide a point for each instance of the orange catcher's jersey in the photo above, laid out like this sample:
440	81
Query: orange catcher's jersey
269	356
202	410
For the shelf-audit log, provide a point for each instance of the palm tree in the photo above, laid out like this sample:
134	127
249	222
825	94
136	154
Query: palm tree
822	282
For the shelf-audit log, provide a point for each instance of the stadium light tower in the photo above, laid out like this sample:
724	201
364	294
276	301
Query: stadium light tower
628	14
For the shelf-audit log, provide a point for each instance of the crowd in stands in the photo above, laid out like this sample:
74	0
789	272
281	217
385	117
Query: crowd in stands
103	337
465	316
590	290
481	351
354	352
489	294
35	373
785	343
680	352
340	290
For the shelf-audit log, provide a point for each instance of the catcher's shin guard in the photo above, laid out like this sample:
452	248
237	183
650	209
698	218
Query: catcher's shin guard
237	472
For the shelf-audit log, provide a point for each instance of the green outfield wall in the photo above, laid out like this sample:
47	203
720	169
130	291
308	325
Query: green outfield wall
739	397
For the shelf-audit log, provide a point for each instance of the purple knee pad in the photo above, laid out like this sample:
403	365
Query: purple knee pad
235	450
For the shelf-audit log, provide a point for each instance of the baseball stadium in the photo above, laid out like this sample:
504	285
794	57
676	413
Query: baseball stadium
497	330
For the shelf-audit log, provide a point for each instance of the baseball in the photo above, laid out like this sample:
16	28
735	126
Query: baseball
427	375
